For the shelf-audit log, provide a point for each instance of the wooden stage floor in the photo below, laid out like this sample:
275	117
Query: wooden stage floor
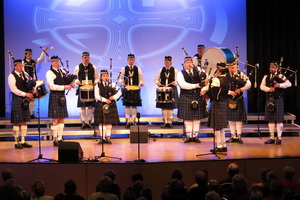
156	150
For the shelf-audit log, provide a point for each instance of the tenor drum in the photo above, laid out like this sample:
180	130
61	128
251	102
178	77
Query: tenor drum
86	93
214	55
131	93
40	90
164	95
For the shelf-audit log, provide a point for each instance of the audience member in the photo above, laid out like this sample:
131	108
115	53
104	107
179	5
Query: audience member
39	190
239	188
114	189
104	186
70	191
199	192
226	184
214	185
147	193
7	174
175	190
262	186
289	181
212	195
276	190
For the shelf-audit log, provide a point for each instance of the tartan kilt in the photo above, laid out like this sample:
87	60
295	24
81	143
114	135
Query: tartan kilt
55	110
238	114
84	104
217	117
131	98
111	118
278	114
18	114
173	105
185	111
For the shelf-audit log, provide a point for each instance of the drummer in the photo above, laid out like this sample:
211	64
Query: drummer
30	68
197	58
131	75
87	74
167	77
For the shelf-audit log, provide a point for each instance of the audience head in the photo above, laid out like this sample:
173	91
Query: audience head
137	177
276	188
232	169
177	174
175	187
7	174
288	173
239	183
70	187
212	195
214	185
38	188
201	178
147	193
111	174
137	187
263	174
271	176
256	195
104	184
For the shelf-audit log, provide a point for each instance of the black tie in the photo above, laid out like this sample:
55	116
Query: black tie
190	72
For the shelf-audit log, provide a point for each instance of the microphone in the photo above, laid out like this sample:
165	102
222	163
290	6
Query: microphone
257	65
110	61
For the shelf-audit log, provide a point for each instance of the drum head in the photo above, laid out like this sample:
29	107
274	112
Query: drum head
132	87
214	55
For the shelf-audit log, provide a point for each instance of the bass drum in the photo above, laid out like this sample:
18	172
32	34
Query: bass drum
214	55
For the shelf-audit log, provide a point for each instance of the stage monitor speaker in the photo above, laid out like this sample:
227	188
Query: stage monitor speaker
134	134
69	152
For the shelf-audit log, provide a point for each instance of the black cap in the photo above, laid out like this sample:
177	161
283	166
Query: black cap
54	58
103	71
168	58
188	58
17	61
201	46
130	55
85	53
28	51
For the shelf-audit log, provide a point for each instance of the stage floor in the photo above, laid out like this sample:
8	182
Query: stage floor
156	150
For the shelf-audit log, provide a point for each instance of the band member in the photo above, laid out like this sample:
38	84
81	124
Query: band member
106	111
167	77
131	75
236	113
273	85
30	68
191	107
197	58
20	113
87	74
217	90
57	109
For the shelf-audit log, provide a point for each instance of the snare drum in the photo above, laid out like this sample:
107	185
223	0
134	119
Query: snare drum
86	93
164	95
131	94
215	55
40	90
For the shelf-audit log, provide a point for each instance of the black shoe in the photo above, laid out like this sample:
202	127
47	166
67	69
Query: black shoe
170	125
83	125
127	125
101	141
26	145
240	141
270	141
224	149
55	143
196	139
187	140
33	116
108	141
89	125
164	125
18	146
231	140
278	141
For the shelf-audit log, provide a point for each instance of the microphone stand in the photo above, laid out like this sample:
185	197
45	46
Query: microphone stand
40	156
139	160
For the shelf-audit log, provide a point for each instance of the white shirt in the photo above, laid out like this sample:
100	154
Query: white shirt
283	85
102	99
37	61
185	85
96	75
157	78
246	86
123	73
13	86
50	76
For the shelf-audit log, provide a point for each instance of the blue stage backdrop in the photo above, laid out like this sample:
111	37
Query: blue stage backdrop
151	29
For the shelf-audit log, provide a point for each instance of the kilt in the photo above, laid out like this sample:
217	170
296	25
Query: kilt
173	105
111	118
18	114
131	98
55	110
278	114
84	104
238	114
185	111
217	117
